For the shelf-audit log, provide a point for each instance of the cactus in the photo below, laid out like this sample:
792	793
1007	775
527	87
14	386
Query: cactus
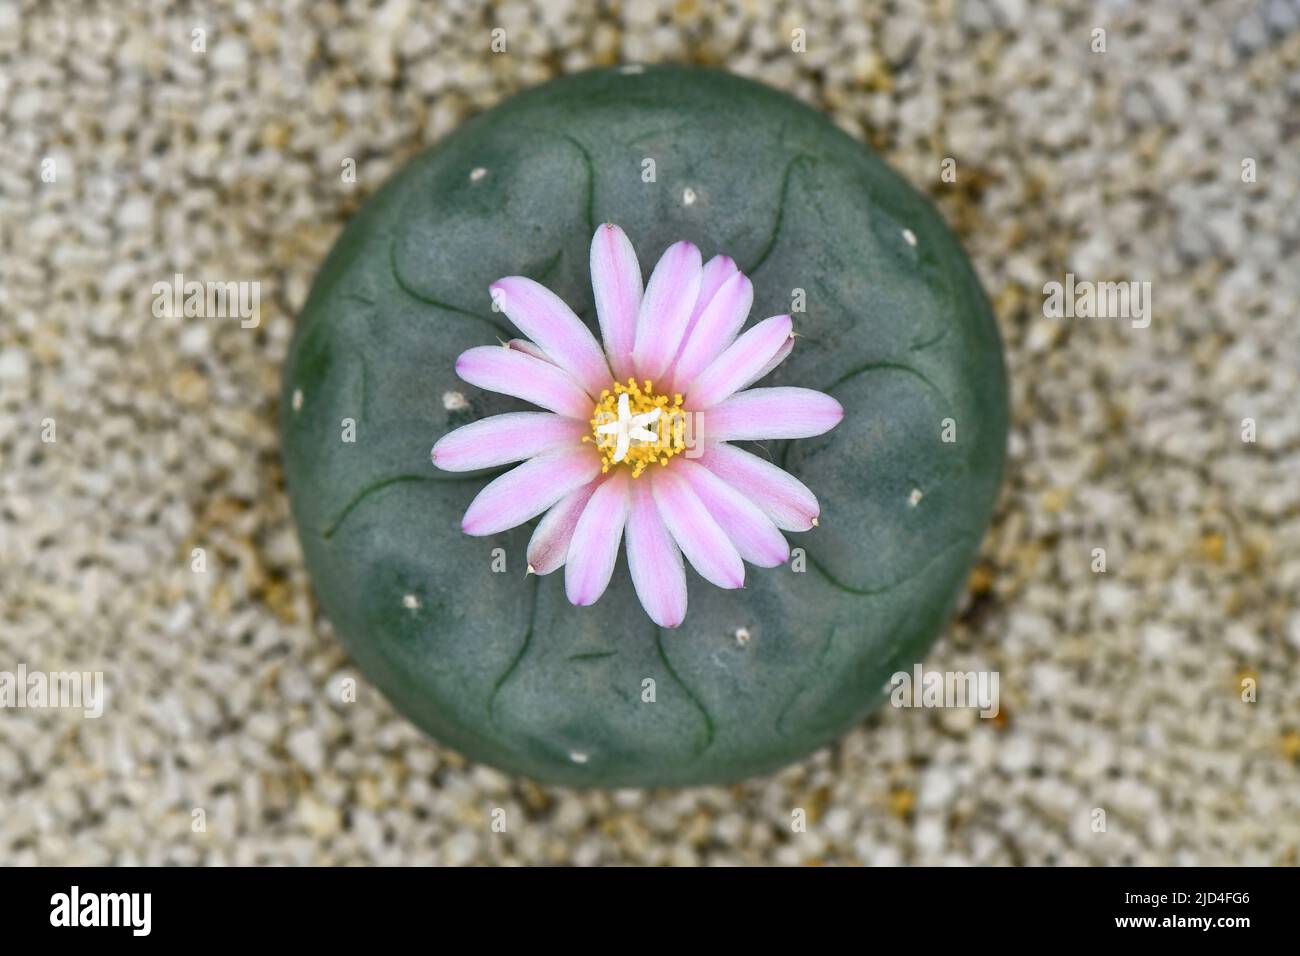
891	322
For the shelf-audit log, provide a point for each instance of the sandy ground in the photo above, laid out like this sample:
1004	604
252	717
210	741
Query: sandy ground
128	441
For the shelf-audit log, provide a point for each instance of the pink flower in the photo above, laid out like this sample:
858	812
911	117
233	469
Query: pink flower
634	437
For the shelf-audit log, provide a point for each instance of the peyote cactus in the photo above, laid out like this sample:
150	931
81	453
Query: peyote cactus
890	322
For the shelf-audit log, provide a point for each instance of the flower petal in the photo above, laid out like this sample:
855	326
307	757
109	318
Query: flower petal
781	496
715	330
781	355
511	372
666	309
529	489
763	413
501	439
654	560
715	272
544	318
594	547
738	365
529	348
616	283
705	544
752	532
549	545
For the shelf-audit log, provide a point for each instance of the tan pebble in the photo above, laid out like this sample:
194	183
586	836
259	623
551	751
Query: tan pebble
190	387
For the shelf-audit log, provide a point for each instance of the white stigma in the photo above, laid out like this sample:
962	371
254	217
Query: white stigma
629	427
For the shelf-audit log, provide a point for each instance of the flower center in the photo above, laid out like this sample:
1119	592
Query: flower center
632	425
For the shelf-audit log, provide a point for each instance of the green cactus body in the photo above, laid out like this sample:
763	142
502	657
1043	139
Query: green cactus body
894	324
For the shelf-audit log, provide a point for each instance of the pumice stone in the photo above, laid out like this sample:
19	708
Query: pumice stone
641	429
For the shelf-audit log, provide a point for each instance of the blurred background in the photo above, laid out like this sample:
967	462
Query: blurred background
1164	691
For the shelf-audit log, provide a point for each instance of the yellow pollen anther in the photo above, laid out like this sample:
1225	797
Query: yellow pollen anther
651	428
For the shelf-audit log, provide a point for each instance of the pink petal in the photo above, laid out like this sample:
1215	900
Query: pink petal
781	355
762	413
781	496
716	329
499	439
616	283
529	489
654	560
750	530
715	272
528	348
666	309
740	363
594	547
544	318
705	544
516	373
549	545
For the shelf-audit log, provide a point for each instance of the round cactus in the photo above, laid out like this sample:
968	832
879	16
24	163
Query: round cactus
890	320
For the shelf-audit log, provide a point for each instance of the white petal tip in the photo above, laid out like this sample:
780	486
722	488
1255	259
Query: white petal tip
814	522
475	528
530	570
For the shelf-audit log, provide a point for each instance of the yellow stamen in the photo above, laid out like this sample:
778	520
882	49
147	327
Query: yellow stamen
669	427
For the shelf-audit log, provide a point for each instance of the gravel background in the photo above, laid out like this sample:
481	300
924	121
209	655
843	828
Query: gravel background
1121	691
